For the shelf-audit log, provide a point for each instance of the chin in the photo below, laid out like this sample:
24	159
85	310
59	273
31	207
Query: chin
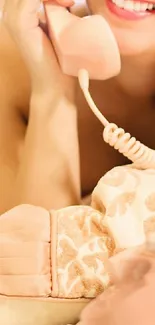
133	44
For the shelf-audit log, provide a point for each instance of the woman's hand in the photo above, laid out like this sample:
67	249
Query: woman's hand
21	17
132	300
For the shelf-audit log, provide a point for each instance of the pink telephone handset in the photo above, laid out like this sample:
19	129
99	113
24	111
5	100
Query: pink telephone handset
83	43
86	48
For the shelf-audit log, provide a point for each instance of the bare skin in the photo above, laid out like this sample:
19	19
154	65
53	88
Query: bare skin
120	99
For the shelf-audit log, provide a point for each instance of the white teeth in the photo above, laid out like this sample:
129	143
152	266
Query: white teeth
128	5
137	6
143	6
120	3
150	6
134	5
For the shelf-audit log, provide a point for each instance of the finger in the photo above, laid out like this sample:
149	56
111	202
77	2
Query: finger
65	3
20	15
22	21
42	15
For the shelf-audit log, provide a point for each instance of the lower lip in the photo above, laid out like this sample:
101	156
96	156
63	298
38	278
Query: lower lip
128	15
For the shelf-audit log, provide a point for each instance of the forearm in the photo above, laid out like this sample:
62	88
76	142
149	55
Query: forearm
49	171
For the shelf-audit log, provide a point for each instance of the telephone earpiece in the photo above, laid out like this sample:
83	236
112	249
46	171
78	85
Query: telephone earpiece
83	43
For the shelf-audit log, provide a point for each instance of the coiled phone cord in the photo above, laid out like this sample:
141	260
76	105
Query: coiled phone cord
141	156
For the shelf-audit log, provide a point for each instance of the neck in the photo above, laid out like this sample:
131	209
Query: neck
137	77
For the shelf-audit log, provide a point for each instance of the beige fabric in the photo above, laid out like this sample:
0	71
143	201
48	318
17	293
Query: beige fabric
126	197
42	254
83	245
63	254
54	254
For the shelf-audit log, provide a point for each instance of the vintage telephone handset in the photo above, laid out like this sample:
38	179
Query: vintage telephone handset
86	48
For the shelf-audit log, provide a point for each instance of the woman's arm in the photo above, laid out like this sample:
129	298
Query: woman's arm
49	171
48	174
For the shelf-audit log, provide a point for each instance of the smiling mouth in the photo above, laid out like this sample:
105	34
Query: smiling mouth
135	6
130	9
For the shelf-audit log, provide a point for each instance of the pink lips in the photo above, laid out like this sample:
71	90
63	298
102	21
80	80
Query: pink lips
126	14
